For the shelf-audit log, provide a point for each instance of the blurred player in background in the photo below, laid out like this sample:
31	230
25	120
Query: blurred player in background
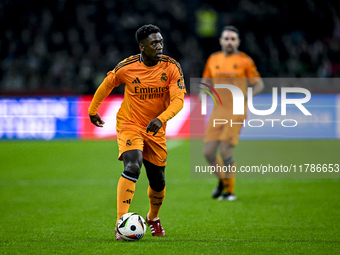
154	93
236	68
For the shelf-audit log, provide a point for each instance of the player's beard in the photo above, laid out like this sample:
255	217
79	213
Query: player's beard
230	49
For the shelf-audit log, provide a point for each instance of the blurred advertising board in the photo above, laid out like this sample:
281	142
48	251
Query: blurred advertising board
39	118
67	117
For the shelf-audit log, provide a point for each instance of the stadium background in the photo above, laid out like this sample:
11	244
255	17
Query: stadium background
59	196
66	47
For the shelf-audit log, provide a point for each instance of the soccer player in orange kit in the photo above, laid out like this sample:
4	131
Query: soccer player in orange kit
238	69
154	93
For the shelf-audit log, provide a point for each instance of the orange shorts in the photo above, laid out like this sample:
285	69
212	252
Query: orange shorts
227	132
153	147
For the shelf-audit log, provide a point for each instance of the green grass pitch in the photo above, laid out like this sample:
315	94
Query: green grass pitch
59	197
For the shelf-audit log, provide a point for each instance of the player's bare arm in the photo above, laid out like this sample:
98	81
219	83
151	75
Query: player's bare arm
97	120
258	87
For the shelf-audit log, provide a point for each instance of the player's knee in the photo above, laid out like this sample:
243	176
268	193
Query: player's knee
227	150
157	184
156	178
210	151
133	168
228	161
209	155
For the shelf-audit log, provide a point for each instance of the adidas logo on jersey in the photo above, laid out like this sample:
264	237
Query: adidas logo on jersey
127	201
157	204
136	80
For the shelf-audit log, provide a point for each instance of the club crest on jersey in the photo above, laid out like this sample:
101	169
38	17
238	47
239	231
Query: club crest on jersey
180	83
128	143
164	78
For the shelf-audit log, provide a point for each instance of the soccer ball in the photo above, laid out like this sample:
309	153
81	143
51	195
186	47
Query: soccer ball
131	227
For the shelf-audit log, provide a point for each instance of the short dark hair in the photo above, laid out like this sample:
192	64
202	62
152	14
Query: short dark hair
146	30
231	28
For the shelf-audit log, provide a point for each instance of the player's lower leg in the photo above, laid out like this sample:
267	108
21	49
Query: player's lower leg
156	201
125	193
229	181
126	185
210	152
220	187
152	219
156	193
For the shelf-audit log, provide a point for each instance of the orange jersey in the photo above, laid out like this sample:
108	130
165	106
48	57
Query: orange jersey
237	69
148	91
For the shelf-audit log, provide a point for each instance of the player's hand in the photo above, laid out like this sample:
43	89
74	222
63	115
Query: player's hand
154	126
96	120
